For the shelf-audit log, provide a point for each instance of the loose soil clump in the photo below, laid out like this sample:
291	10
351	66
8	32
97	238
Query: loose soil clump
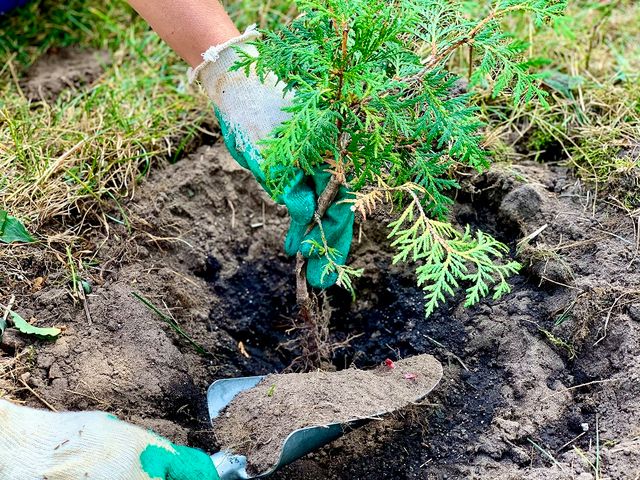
258	420
63	68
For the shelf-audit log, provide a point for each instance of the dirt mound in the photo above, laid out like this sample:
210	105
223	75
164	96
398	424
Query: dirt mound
61	69
257	422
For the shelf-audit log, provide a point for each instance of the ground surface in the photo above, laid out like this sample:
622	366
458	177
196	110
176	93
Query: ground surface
542	384
207	252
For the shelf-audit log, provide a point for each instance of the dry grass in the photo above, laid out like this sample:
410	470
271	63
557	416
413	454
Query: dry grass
69	165
594	120
13	369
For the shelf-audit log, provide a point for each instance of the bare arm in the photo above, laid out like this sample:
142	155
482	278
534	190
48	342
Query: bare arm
189	26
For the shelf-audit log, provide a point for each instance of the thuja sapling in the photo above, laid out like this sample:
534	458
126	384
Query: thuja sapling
375	105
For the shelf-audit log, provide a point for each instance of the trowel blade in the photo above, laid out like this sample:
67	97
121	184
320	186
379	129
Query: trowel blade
296	445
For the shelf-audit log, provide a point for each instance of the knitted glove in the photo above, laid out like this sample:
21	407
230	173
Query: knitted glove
248	110
37	445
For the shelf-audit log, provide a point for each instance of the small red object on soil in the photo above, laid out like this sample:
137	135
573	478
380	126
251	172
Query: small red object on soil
410	376
389	363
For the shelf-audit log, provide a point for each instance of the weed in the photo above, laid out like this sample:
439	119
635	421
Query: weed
271	390
546	454
594	461
559	343
171	322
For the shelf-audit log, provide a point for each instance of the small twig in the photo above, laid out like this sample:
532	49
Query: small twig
546	454
447	351
85	395
33	392
566	390
533	235
7	311
85	303
233	213
594	31
570	442
636	231
608	317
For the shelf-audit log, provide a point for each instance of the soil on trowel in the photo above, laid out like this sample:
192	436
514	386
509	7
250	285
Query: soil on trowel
258	420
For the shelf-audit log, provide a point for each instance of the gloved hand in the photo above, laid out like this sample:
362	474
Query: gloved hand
248	110
37	444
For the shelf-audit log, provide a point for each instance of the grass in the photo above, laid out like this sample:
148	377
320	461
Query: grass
90	145
68	165
172	322
594	79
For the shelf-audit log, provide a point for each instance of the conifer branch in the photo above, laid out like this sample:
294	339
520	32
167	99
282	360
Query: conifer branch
370	109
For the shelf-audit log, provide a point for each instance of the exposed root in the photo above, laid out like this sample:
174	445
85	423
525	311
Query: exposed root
312	339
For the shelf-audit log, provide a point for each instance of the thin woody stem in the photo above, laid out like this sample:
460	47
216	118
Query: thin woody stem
307	304
324	202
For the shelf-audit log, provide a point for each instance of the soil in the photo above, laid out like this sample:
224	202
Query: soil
553	367
257	421
61	69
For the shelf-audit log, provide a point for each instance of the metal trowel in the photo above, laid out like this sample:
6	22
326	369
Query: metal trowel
299	442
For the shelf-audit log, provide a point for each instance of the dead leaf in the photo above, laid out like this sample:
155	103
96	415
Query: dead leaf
37	284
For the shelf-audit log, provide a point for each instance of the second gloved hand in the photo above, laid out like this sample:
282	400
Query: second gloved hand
37	444
248	110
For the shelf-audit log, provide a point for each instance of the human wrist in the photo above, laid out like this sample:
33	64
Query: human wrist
221	56
188	26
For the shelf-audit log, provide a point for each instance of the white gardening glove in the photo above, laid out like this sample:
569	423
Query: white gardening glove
248	110
37	445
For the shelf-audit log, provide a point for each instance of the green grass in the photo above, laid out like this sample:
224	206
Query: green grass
264	13
93	144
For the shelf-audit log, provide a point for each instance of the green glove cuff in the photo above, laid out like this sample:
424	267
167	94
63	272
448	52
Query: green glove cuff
300	198
183	464
242	150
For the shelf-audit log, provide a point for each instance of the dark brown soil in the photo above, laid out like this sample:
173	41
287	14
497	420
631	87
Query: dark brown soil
258	421
553	366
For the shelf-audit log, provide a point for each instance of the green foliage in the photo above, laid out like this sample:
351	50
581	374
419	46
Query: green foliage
375	98
12	230
448	256
25	327
345	273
